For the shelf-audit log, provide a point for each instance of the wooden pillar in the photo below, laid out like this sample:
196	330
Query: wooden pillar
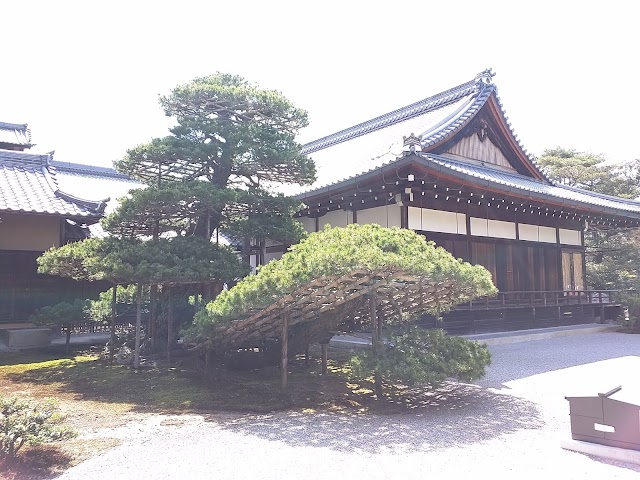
136	353
263	252
113	323
404	216
325	357
285	350
375	342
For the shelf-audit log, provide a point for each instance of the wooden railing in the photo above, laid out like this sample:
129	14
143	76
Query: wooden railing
548	298
95	327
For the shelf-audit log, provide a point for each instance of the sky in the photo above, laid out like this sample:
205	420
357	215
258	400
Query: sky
86	76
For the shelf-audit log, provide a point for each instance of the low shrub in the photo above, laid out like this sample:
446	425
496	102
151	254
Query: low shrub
24	422
420	356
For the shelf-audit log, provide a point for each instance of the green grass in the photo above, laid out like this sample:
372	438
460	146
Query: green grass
85	376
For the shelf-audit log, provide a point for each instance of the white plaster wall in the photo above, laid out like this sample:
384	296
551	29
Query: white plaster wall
443	222
388	216
528	232
29	232
337	218
308	223
415	218
535	233
547	234
570	237
273	256
479	227
501	229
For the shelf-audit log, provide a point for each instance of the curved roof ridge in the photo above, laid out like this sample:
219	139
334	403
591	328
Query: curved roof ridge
531	157
94	170
50	177
460	118
484	166
401	114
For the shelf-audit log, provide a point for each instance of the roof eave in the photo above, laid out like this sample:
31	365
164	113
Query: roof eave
522	193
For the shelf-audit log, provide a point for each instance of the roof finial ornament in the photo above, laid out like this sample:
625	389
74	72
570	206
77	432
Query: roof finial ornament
411	144
485	76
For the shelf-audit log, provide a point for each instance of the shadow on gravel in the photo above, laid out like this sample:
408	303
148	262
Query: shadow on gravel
455	416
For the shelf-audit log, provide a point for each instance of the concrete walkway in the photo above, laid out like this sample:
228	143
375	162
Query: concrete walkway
363	340
83	339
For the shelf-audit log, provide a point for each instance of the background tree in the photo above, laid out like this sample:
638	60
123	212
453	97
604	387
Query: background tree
62	315
613	256
240	140
174	261
216	171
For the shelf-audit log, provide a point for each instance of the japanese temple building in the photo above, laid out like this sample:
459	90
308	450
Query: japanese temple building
451	168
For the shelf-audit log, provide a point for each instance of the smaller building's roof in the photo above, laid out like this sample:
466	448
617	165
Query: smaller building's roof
89	170
93	181
29	185
15	135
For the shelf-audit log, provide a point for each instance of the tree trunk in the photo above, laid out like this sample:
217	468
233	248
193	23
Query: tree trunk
136	353
325	356
169	323
113	323
375	343
285	353
153	314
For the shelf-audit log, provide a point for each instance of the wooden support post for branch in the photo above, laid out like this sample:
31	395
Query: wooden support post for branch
169	323
306	356
375	342
113	323
285	350
325	356
136	353
153	313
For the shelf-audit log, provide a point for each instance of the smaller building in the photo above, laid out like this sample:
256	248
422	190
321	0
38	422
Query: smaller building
35	215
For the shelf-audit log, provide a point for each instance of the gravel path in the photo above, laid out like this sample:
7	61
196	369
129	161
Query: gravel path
506	426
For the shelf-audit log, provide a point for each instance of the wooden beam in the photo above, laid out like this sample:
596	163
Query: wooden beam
285	349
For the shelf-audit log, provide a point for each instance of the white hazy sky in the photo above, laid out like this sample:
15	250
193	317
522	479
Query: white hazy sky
86	75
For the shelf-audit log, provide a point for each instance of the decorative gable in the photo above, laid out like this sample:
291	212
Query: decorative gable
478	147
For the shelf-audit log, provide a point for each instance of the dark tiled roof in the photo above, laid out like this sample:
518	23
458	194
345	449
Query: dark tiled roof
500	180
429	104
28	185
434	119
519	184
17	134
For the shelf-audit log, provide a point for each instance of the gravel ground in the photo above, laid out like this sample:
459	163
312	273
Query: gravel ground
508	425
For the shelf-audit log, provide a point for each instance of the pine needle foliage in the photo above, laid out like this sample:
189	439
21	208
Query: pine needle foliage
337	251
